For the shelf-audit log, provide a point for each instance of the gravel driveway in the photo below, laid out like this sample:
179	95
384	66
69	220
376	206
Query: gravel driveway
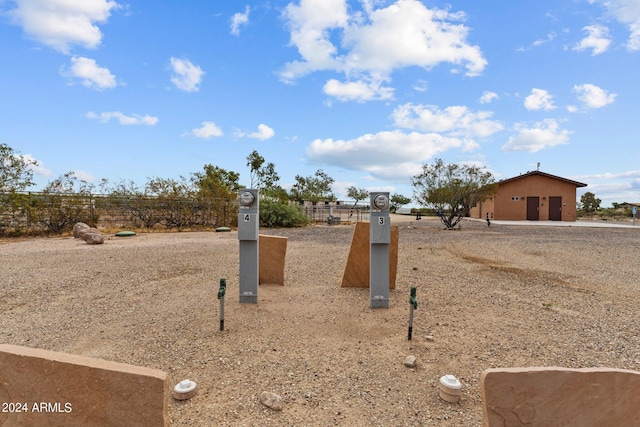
499	296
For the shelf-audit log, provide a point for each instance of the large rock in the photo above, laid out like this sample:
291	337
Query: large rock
63	389
78	227
92	236
514	397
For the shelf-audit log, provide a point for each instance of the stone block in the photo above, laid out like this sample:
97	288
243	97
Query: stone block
560	397
58	389
356	272
271	255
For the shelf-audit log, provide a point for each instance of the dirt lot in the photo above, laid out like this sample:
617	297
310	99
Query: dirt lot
502	296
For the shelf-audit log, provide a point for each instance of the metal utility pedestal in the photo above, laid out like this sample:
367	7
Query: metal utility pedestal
379	238
248	225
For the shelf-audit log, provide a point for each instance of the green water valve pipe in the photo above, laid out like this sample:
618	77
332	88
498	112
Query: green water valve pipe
413	306
223	288
221	291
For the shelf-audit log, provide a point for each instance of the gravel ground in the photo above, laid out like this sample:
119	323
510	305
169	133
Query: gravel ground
503	296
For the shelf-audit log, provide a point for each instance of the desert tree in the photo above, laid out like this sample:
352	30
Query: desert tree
134	204
217	188
452	189
16	172
357	194
217	182
398	201
589	202
63	202
262	176
312	188
16	175
175	199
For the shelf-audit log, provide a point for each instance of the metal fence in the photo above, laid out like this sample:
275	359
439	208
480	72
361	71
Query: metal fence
336	214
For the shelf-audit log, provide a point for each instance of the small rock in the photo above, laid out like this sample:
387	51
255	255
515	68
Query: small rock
429	338
271	400
410	362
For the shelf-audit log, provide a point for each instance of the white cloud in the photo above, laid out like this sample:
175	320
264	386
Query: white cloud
593	96
488	97
549	39
598	40
421	86
90	73
368	46
60	24
386	155
613	187
207	130
38	167
539	99
626	12
238	20
457	120
264	132
398	154
124	120
407	33
545	134
357	91
309	25
609	175
186	76
84	175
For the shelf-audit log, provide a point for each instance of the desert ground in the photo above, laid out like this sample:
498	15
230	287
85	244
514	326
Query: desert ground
499	296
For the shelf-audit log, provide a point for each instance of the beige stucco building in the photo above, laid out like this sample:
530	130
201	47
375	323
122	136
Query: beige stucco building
534	196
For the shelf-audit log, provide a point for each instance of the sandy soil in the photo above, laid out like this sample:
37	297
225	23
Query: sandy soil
502	296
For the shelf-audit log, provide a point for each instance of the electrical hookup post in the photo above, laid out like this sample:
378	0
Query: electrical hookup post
248	218
380	239
634	210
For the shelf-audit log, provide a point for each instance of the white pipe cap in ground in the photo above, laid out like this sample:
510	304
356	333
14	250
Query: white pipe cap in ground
184	390
451	382
450	388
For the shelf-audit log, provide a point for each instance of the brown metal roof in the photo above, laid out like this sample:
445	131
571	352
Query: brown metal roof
548	175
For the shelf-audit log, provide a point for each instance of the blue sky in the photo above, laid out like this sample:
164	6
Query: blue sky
366	90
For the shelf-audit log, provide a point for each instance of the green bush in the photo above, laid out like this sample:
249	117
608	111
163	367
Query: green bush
281	214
